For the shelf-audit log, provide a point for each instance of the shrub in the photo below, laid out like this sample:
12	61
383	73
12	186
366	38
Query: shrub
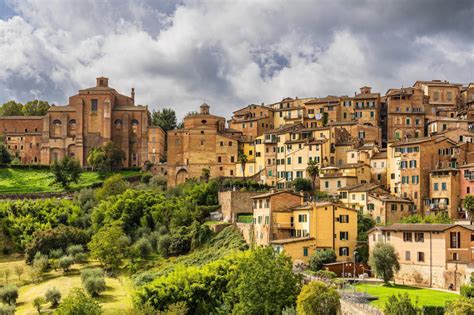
53	296
78	302
6	309
93	281
325	275
163	245
9	294
432	310
73	250
145	178
180	243
302	184
40	262
318	298
94	285
56	253
400	304
143	247
38	302
321	257
467	291
66	262
462	306
80	258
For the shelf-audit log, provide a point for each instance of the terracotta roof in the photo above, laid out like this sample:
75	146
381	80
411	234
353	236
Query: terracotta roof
388	197
422	227
269	194
379	155
467	165
349	165
360	187
291	240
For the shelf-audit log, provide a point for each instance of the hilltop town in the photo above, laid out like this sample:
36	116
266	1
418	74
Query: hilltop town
334	174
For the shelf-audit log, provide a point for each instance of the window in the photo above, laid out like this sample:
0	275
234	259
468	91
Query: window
267	219
326	184
344	236
300	160
305	251
339	184
230	143
419	237
232	159
455	256
407	256
288	161
222	143
455	240
436	186
449	96
219	159
344	218
94	105
56	122
436	96
443	186
421	256
343	251
302	218
407	237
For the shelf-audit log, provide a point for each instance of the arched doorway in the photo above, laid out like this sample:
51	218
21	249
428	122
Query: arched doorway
182	176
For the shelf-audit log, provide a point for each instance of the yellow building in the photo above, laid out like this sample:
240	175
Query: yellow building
357	196
310	230
333	178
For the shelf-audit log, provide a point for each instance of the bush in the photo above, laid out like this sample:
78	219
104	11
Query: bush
40	262
56	253
462	306
78	302
325	275
432	310
93	281
38	303
53	296
318	298
180	243
321	257
65	262
6	309
163	245
145	178
143	247
75	249
9	294
302	184
59	237
467	291
114	185
94	285
80	258
400	304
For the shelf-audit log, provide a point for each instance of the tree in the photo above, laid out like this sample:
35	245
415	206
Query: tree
6	274
11	108
38	303
321	257
400	304
5	156
35	108
262	283
469	205
66	171
53	296
9	294
364	224
243	159
93	281
106	158
65	262
462	306
165	118
79	303
108	245
143	247
313	171
302	184
18	270
206	174
114	185
317	298
384	261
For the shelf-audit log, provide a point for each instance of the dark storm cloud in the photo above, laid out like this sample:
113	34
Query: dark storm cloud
231	53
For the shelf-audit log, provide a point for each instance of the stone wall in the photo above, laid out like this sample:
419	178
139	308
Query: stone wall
247	231
235	202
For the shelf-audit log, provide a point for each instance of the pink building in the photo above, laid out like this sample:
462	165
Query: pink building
467	181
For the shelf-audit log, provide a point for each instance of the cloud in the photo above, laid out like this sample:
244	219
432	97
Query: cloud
230	53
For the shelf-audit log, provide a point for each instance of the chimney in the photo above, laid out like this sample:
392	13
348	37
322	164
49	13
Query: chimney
133	95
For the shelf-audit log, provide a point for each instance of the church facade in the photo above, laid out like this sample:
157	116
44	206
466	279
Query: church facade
93	117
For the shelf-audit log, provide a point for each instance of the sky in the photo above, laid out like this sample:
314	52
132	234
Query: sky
230	53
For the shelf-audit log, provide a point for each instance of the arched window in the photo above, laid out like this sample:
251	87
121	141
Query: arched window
134	122
118	122
72	122
56	122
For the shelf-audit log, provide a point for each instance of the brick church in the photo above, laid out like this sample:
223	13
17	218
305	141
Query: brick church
93	117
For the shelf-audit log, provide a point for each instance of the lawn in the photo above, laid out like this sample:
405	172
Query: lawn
14	181
423	296
114	300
